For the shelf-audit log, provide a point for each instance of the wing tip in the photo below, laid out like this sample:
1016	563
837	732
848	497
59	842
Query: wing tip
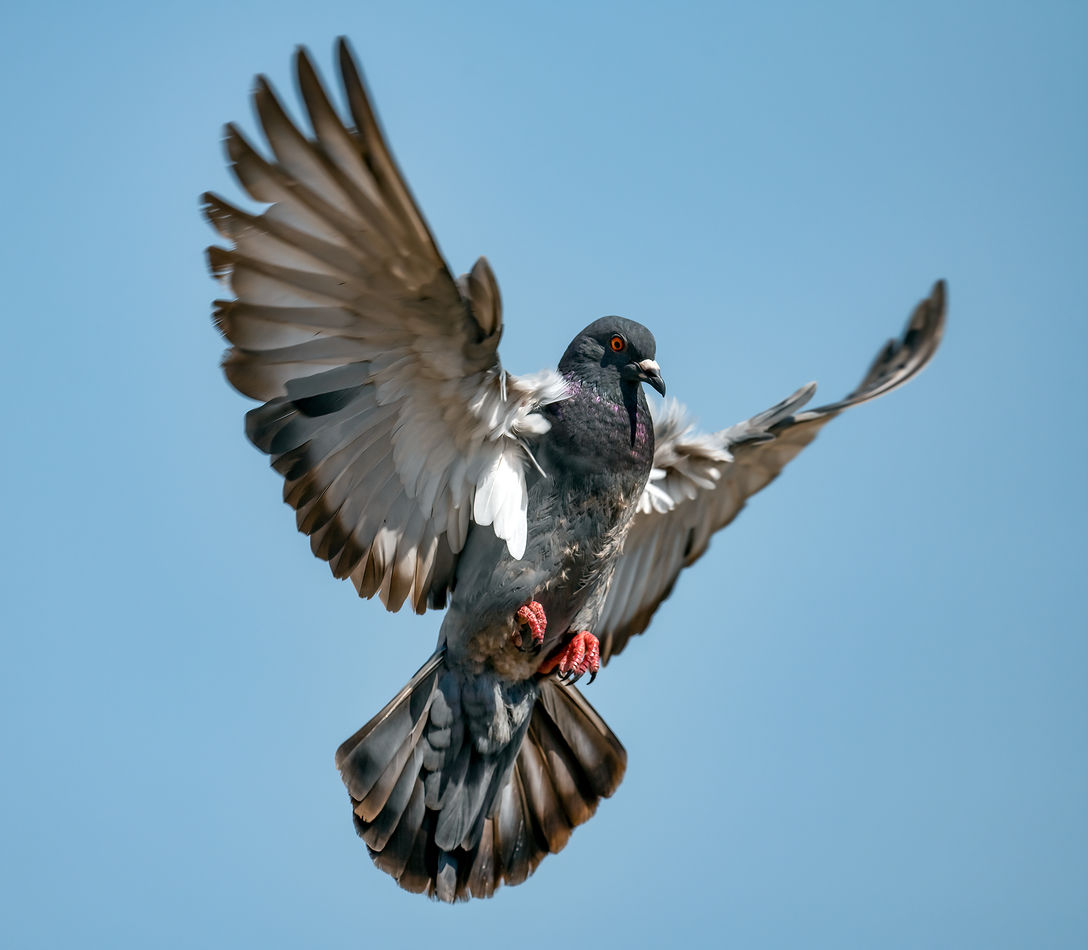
901	358
348	62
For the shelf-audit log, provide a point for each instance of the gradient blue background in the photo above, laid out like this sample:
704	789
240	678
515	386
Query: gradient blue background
860	721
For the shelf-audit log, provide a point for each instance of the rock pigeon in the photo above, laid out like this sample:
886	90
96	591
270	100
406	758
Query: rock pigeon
549	514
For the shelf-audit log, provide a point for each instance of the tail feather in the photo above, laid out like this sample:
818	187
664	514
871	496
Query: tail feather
496	778
470	793
364	757
448	813
520	851
552	824
596	759
396	853
385	822
582	758
481	880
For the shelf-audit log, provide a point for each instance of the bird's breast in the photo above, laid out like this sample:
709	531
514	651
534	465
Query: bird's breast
596	459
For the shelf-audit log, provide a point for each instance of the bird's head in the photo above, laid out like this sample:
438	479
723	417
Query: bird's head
613	345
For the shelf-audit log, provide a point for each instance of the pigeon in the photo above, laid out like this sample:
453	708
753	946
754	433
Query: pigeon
548	514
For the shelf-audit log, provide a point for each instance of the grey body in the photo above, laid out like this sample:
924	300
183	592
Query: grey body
594	463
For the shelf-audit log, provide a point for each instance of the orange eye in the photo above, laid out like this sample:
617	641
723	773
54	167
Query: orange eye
618	343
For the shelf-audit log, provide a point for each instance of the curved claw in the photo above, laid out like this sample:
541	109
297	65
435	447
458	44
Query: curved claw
530	615
573	676
581	655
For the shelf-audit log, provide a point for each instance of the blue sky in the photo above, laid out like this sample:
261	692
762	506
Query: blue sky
861	718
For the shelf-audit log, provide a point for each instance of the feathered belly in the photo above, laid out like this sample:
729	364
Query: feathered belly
575	533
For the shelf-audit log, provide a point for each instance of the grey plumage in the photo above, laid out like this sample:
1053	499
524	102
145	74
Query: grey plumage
447	817
428	475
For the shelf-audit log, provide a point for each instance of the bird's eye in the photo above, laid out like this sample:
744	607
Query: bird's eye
618	343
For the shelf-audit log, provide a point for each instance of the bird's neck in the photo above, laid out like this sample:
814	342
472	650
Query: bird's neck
606	422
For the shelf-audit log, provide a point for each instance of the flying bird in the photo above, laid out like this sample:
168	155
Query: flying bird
549	515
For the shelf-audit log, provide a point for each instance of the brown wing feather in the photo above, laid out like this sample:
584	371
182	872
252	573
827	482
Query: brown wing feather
385	406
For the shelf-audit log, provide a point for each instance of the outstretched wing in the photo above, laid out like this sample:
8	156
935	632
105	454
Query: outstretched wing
385	406
701	482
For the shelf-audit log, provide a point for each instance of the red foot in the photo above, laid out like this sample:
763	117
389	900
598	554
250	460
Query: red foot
532	616
581	655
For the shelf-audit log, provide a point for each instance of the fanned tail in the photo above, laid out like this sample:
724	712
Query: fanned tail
453	814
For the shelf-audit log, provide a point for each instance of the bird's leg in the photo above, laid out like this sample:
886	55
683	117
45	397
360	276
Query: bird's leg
581	655
530	615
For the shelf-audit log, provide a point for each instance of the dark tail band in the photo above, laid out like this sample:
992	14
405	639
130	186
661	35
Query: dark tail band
454	817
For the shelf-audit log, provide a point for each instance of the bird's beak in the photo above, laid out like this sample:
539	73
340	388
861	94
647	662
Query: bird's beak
650	372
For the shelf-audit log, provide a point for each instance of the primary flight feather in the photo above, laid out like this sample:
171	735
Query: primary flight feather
549	514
